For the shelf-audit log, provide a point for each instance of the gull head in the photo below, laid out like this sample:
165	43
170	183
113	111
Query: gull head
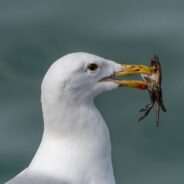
82	76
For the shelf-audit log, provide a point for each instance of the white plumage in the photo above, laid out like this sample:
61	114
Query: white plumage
76	147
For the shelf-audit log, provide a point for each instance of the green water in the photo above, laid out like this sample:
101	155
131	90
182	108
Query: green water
33	34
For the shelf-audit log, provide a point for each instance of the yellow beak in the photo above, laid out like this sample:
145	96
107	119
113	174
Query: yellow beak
132	70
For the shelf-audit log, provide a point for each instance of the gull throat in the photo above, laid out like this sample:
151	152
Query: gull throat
77	137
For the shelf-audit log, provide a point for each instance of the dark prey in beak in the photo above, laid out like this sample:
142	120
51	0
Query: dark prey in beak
154	89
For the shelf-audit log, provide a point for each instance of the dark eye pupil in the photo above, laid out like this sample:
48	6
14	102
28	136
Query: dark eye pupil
92	66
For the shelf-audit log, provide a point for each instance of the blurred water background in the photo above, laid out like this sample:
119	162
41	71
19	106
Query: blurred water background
33	34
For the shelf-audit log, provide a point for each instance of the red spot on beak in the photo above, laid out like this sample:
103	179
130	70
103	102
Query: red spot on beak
143	86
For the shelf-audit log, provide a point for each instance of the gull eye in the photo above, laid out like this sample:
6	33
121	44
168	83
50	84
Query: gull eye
92	67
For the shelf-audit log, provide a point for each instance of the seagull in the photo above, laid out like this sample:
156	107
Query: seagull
75	146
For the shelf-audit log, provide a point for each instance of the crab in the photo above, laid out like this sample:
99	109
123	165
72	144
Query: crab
155	91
